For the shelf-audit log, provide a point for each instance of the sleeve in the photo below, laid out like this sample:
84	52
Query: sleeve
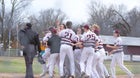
60	33
74	37
118	42
97	39
77	38
20	35
83	38
37	42
46	38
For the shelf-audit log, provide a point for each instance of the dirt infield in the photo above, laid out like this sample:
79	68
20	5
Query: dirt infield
15	75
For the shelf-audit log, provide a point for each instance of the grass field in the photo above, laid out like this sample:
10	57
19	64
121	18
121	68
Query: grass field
17	65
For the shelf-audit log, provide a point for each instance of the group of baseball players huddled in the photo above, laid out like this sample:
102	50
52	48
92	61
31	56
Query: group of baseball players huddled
80	54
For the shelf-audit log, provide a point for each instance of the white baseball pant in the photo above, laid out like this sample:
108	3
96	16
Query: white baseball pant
118	58
105	71
94	65
54	59
87	56
45	57
77	55
66	50
101	69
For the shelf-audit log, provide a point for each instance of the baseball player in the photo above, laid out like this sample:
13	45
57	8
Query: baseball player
54	45
100	53
43	47
101	68
78	48
61	27
118	55
67	37
77	54
46	54
66	61
88	39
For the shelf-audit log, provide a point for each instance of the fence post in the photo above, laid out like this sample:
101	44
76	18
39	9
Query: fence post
131	57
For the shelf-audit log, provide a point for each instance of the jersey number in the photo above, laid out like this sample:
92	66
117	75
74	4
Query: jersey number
90	37
68	35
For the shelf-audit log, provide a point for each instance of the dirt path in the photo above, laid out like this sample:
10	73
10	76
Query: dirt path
15	75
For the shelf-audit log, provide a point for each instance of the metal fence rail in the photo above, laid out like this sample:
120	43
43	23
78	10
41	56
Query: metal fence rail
11	52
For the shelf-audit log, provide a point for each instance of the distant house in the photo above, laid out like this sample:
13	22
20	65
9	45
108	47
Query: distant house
131	44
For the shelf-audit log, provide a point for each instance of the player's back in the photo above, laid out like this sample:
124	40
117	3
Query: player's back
89	38
67	36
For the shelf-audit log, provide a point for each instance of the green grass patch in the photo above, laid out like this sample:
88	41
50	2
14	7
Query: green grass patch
132	66
17	65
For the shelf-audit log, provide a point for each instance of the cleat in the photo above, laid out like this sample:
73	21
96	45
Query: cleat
62	77
131	76
82	74
86	76
107	77
71	76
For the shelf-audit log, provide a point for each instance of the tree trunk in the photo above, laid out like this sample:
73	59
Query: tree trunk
6	40
2	20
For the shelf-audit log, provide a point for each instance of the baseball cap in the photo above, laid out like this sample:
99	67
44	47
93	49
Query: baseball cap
116	31
28	24
86	26
53	30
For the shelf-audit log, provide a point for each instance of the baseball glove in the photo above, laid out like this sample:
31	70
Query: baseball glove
40	59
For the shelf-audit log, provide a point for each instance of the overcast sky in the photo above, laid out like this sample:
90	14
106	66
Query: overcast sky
76	10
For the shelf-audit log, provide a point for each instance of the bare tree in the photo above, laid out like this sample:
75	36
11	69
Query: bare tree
2	14
36	23
50	16
126	26
133	18
109	18
47	18
101	15
10	17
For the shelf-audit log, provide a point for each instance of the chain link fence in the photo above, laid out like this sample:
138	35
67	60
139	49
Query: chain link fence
11	52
